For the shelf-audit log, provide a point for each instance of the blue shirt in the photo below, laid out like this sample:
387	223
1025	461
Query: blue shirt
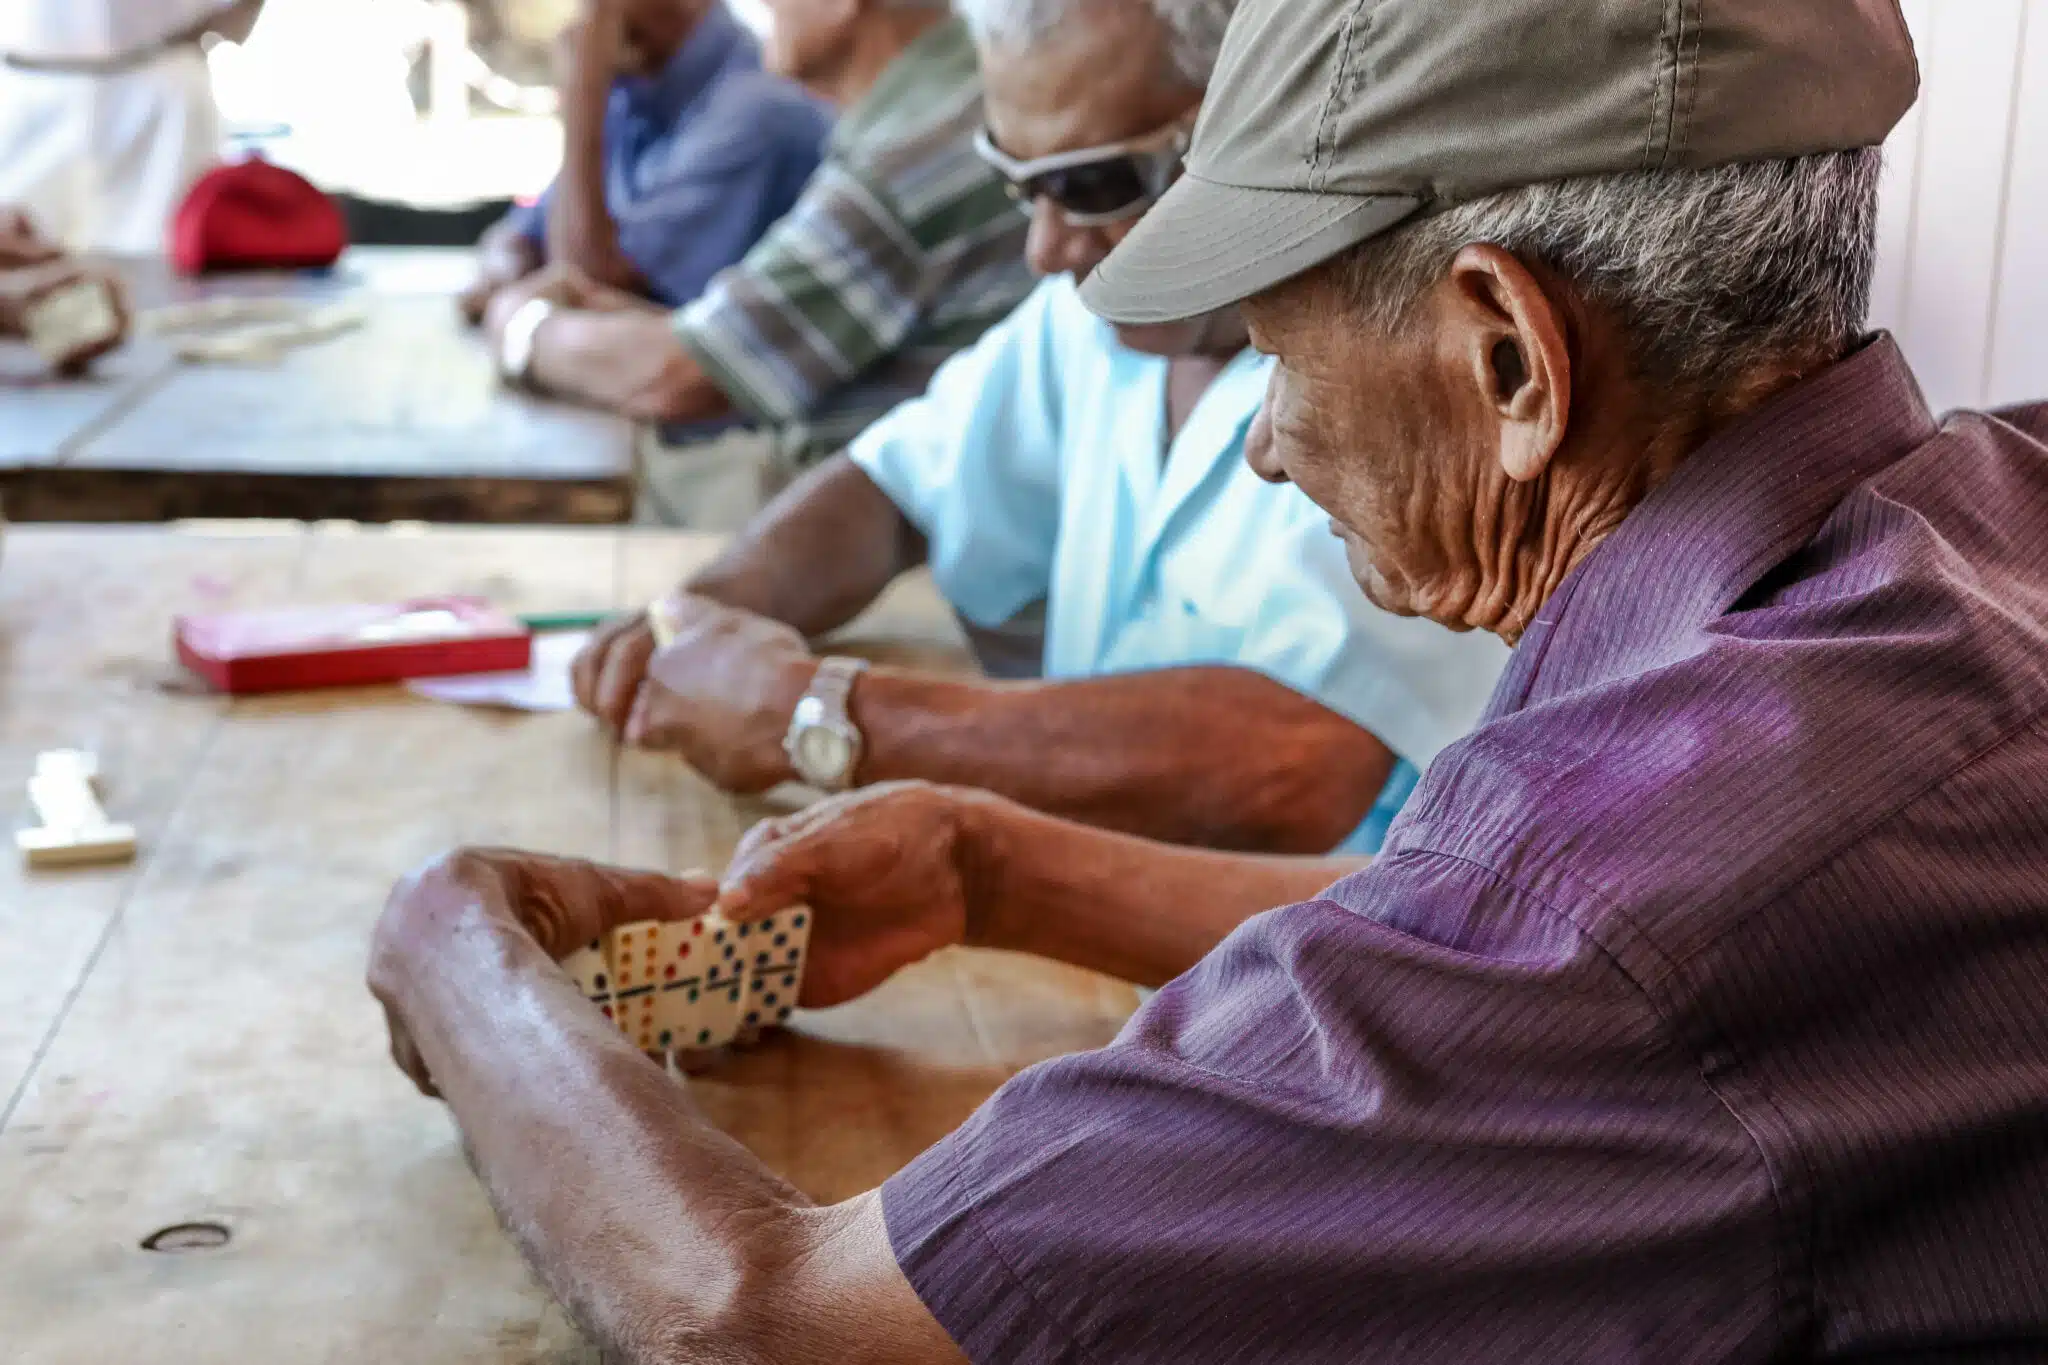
1037	467
701	160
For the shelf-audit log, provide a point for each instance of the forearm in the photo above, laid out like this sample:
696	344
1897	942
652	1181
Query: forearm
580	228
1134	909
819	554
629	362
655	1230
1217	757
237	21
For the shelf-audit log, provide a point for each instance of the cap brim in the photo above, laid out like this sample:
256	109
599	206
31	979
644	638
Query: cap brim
1205	246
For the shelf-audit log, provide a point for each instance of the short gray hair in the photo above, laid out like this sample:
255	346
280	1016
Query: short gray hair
1716	274
1194	28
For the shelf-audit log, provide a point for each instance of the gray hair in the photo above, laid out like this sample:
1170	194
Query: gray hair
1715	274
1194	28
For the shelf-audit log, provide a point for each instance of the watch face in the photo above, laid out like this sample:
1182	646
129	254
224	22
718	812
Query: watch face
824	755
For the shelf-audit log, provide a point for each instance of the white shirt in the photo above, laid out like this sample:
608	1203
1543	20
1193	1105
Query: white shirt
1034	468
95	28
103	161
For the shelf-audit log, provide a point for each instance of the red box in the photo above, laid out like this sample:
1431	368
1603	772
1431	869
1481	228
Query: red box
351	646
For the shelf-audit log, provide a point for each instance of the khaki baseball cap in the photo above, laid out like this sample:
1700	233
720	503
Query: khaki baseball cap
1330	121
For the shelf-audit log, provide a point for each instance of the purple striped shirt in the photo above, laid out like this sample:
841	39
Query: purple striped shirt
1697	1010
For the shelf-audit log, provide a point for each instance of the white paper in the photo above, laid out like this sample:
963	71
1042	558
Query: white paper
542	687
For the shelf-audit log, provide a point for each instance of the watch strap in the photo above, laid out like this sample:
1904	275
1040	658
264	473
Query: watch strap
832	685
825	703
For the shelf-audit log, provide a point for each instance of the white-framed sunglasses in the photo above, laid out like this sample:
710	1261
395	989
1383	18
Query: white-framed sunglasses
1094	186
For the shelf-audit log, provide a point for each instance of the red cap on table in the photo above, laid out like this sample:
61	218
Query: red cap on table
253	215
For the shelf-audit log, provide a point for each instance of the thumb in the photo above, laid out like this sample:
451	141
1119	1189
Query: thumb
663	898
774	869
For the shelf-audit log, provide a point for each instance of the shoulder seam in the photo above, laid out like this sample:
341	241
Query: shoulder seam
1669	1025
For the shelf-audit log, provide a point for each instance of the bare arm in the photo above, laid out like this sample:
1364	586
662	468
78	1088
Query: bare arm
627	361
1218	756
1125	906
818	555
920	865
581	232
237	21
665	1239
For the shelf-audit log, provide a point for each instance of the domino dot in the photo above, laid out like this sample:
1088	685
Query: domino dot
697	928
729	952
753	1016
770	998
597	945
783	1015
608	1012
600	982
760	959
781	939
794	954
718	937
693	995
683	951
667	1038
703	1036
669	971
744	928
798	922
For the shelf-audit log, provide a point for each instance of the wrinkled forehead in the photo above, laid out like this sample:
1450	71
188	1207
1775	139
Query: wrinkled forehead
1103	75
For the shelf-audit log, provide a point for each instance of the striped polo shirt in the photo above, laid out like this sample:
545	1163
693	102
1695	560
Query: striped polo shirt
903	249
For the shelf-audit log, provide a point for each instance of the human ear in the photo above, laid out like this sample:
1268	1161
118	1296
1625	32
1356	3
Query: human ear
1512	338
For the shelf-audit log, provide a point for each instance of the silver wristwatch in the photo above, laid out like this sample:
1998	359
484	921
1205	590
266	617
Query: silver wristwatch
515	348
823	743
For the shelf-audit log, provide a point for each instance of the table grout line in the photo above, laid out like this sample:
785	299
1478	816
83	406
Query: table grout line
115	918
119	914
120	410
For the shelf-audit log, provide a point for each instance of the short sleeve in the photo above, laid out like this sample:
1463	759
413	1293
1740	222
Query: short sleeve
974	465
833	288
1420	1120
714	189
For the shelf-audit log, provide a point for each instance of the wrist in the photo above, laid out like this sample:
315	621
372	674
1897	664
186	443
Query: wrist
988	850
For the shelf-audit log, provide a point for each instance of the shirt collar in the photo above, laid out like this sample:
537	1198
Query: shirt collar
705	54
1733	510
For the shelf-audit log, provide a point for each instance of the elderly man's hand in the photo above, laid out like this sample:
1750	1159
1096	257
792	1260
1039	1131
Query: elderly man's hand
560	904
562	285
22	289
891	874
721	695
21	242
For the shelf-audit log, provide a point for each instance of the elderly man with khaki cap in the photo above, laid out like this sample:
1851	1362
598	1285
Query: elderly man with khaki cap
1693	1011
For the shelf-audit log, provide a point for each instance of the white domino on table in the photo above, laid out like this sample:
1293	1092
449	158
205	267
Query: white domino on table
74	831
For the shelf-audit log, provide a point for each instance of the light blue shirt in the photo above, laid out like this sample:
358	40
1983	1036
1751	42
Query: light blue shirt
1037	467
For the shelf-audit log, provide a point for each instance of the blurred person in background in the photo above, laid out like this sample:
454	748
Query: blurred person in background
903	250
679	153
32	268
107	113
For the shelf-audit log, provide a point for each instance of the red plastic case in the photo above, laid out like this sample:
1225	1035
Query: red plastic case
351	646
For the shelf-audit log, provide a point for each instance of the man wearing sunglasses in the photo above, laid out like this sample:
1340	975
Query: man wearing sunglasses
1211	674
